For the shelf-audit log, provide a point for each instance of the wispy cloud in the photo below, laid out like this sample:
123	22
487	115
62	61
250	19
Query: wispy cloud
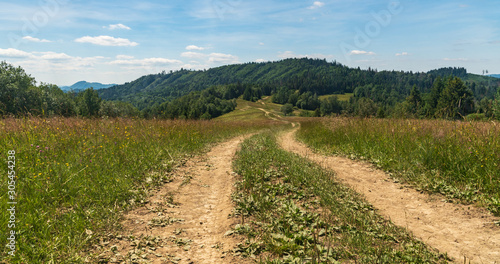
222	58
54	56
316	4
14	53
107	41
194	47
402	54
47	62
124	57
362	52
193	55
117	26
32	39
215	58
145	62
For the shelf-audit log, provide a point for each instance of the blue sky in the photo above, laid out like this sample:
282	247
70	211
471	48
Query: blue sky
65	41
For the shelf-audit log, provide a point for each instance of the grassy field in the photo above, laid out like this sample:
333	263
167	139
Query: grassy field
75	177
458	159
295	212
250	112
342	97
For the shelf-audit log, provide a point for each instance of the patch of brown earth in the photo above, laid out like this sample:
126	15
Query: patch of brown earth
186	220
466	233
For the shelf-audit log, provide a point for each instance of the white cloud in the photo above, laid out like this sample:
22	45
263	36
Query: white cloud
194	47
124	57
316	4
14	53
117	26
222	58
216	58
193	55
402	54
54	56
32	39
261	43
145	62
260	60
107	41
362	52
50	62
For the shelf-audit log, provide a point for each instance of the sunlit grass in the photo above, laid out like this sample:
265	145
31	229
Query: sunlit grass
249	111
458	159
77	176
342	97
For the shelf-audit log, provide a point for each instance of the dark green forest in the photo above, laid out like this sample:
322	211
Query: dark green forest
449	93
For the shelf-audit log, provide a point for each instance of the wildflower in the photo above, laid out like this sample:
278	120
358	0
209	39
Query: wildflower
37	146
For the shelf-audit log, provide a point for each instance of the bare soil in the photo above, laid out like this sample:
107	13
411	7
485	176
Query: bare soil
465	233
186	220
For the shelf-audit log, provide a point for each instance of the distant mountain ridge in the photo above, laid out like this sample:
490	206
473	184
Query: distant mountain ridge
494	75
82	85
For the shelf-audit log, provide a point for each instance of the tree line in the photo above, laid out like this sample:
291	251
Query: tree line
20	96
297	83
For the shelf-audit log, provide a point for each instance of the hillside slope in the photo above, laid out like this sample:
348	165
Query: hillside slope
306	75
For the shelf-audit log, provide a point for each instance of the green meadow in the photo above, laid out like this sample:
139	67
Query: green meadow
75	177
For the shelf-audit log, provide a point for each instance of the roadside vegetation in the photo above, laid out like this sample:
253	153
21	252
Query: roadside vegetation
292	211
457	159
75	177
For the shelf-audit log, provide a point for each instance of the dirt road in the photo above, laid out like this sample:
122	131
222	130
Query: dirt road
460	230
186	220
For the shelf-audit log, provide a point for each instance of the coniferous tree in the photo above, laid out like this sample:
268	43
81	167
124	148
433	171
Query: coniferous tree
414	101
456	100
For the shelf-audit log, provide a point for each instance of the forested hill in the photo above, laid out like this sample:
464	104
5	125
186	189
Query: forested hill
304	75
157	88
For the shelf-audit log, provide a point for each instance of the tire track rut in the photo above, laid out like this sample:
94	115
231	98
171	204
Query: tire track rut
464	232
